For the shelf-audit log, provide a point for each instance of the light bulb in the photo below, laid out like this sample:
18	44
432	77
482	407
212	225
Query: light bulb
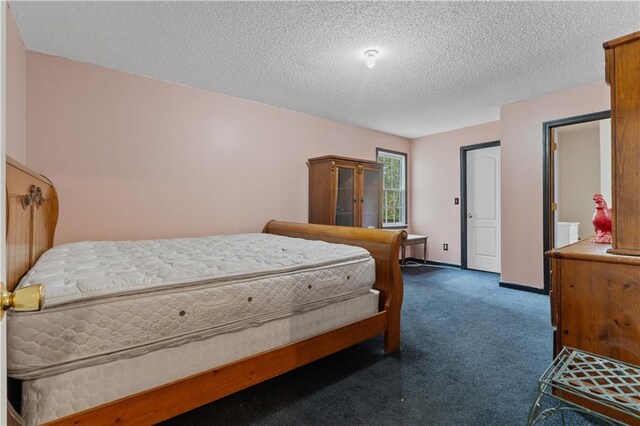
371	57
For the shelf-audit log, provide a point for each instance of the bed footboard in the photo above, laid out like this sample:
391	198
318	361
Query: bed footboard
384	247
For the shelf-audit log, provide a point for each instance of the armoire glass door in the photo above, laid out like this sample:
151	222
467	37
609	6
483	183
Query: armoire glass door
346	196
371	198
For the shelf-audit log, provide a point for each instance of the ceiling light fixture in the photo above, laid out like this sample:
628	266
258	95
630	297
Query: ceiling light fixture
371	57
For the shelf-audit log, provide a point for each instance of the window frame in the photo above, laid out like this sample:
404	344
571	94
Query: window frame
405	225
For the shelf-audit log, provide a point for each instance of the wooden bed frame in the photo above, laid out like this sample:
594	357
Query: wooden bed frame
32	214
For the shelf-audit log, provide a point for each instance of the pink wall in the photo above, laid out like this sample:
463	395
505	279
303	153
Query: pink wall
521	137
435	161
435	182
133	157
16	92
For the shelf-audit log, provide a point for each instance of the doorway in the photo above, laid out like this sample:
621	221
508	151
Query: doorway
3	213
577	164
480	206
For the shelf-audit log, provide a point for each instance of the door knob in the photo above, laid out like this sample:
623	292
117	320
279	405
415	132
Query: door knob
469	215
30	298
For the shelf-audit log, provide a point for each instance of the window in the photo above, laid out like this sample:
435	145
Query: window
394	188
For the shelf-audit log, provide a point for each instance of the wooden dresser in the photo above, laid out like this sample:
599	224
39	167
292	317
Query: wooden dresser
595	294
595	301
623	75
345	191
595	306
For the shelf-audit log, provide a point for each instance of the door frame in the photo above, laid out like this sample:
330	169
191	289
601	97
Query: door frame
463	196
548	181
4	416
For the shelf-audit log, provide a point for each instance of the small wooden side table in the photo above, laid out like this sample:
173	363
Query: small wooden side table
414	240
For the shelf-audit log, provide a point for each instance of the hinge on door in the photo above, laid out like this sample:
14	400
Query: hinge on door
554	146
554	207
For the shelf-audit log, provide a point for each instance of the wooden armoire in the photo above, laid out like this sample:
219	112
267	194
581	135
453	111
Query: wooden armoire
595	295
345	191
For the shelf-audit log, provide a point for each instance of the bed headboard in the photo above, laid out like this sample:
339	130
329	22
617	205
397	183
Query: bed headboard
32	215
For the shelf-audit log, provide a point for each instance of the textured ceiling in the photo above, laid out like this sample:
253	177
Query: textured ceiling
442	65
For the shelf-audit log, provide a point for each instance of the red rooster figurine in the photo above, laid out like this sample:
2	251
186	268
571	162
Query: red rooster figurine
601	221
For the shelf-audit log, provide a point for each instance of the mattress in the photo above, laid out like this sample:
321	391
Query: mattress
48	398
109	300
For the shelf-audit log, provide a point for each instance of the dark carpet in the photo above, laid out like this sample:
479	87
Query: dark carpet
471	355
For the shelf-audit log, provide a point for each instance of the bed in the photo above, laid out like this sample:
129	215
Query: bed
138	332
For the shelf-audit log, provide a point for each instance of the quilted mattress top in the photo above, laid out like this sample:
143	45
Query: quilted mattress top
95	269
109	300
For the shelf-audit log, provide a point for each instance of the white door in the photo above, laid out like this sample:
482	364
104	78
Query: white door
483	209
3	222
